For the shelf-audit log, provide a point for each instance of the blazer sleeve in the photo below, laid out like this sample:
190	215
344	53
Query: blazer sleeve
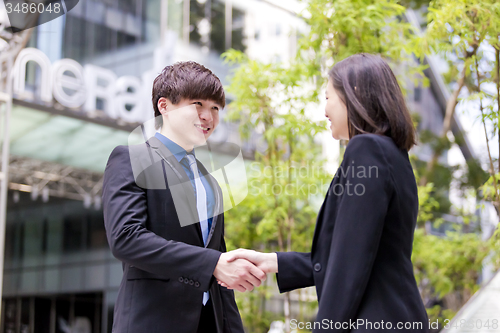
357	232
125	216
294	271
232	318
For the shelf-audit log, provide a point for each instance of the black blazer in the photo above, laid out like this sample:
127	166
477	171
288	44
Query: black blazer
166	266
360	260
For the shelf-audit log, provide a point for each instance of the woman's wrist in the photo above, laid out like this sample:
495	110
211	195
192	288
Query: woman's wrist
272	262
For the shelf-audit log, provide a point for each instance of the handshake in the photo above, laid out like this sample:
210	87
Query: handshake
244	269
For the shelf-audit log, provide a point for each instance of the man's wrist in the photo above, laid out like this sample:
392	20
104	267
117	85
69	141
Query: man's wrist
217	267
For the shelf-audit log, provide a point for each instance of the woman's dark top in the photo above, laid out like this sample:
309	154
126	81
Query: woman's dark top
360	260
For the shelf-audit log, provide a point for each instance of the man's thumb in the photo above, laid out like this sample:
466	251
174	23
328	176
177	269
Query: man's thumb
231	257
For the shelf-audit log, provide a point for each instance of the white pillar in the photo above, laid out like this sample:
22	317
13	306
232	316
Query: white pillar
5	109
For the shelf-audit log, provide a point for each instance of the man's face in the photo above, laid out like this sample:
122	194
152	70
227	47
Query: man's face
191	121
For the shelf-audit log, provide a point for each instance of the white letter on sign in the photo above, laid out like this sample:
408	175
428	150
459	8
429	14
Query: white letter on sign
100	84
64	83
128	90
19	71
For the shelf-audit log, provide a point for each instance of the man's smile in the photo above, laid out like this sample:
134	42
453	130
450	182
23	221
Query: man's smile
202	128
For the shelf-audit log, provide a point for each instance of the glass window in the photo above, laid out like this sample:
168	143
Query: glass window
75	39
43	307
10	319
218	21
73	233
110	300
96	231
123	23
25	315
174	14
124	39
33	236
207	25
63	306
87	312
54	235
237	36
13	241
128	6
150	18
198	25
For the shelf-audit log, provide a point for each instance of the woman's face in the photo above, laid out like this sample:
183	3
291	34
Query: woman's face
336	112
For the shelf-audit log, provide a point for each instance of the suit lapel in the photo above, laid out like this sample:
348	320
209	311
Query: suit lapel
321	217
218	209
181	179
317	229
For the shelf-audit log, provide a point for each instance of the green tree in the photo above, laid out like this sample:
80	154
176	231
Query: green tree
272	99
457	30
287	176
341	28
465	34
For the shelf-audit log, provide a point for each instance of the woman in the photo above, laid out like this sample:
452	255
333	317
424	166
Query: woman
360	260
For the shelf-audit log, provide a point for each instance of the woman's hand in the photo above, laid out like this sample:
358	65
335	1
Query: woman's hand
240	274
267	262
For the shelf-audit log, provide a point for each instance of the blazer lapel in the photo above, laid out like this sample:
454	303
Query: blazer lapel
319	221
218	209
179	185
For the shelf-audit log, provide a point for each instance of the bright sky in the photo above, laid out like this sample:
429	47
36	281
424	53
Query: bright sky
468	114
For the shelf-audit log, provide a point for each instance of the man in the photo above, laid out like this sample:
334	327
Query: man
164	218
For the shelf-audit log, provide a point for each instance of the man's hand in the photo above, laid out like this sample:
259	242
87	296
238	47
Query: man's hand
266	262
238	274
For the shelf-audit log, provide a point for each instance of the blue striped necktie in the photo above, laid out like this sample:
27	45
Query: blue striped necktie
201	205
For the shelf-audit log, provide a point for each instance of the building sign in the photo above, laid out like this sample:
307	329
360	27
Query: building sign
89	87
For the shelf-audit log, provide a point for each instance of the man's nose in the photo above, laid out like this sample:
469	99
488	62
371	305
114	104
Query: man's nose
206	115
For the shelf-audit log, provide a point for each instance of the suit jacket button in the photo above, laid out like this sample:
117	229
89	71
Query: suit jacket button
197	284
181	279
317	267
186	281
191	282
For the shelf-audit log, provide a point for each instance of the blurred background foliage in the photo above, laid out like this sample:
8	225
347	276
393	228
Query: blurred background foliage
288	180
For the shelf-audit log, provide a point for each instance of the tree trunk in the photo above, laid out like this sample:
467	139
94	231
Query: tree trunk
497	53
450	111
287	312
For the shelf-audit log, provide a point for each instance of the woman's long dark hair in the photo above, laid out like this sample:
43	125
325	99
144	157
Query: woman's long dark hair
375	103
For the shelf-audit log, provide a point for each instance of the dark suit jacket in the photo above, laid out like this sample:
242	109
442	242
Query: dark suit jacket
360	260
166	266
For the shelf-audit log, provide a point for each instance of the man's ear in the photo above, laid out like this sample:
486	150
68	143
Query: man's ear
163	104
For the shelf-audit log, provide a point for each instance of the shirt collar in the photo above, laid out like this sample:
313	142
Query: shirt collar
174	148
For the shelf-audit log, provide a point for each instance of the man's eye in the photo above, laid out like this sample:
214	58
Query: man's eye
199	103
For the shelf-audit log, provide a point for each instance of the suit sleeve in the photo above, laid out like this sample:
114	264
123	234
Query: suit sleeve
358	229
294	271
232	318
125	216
